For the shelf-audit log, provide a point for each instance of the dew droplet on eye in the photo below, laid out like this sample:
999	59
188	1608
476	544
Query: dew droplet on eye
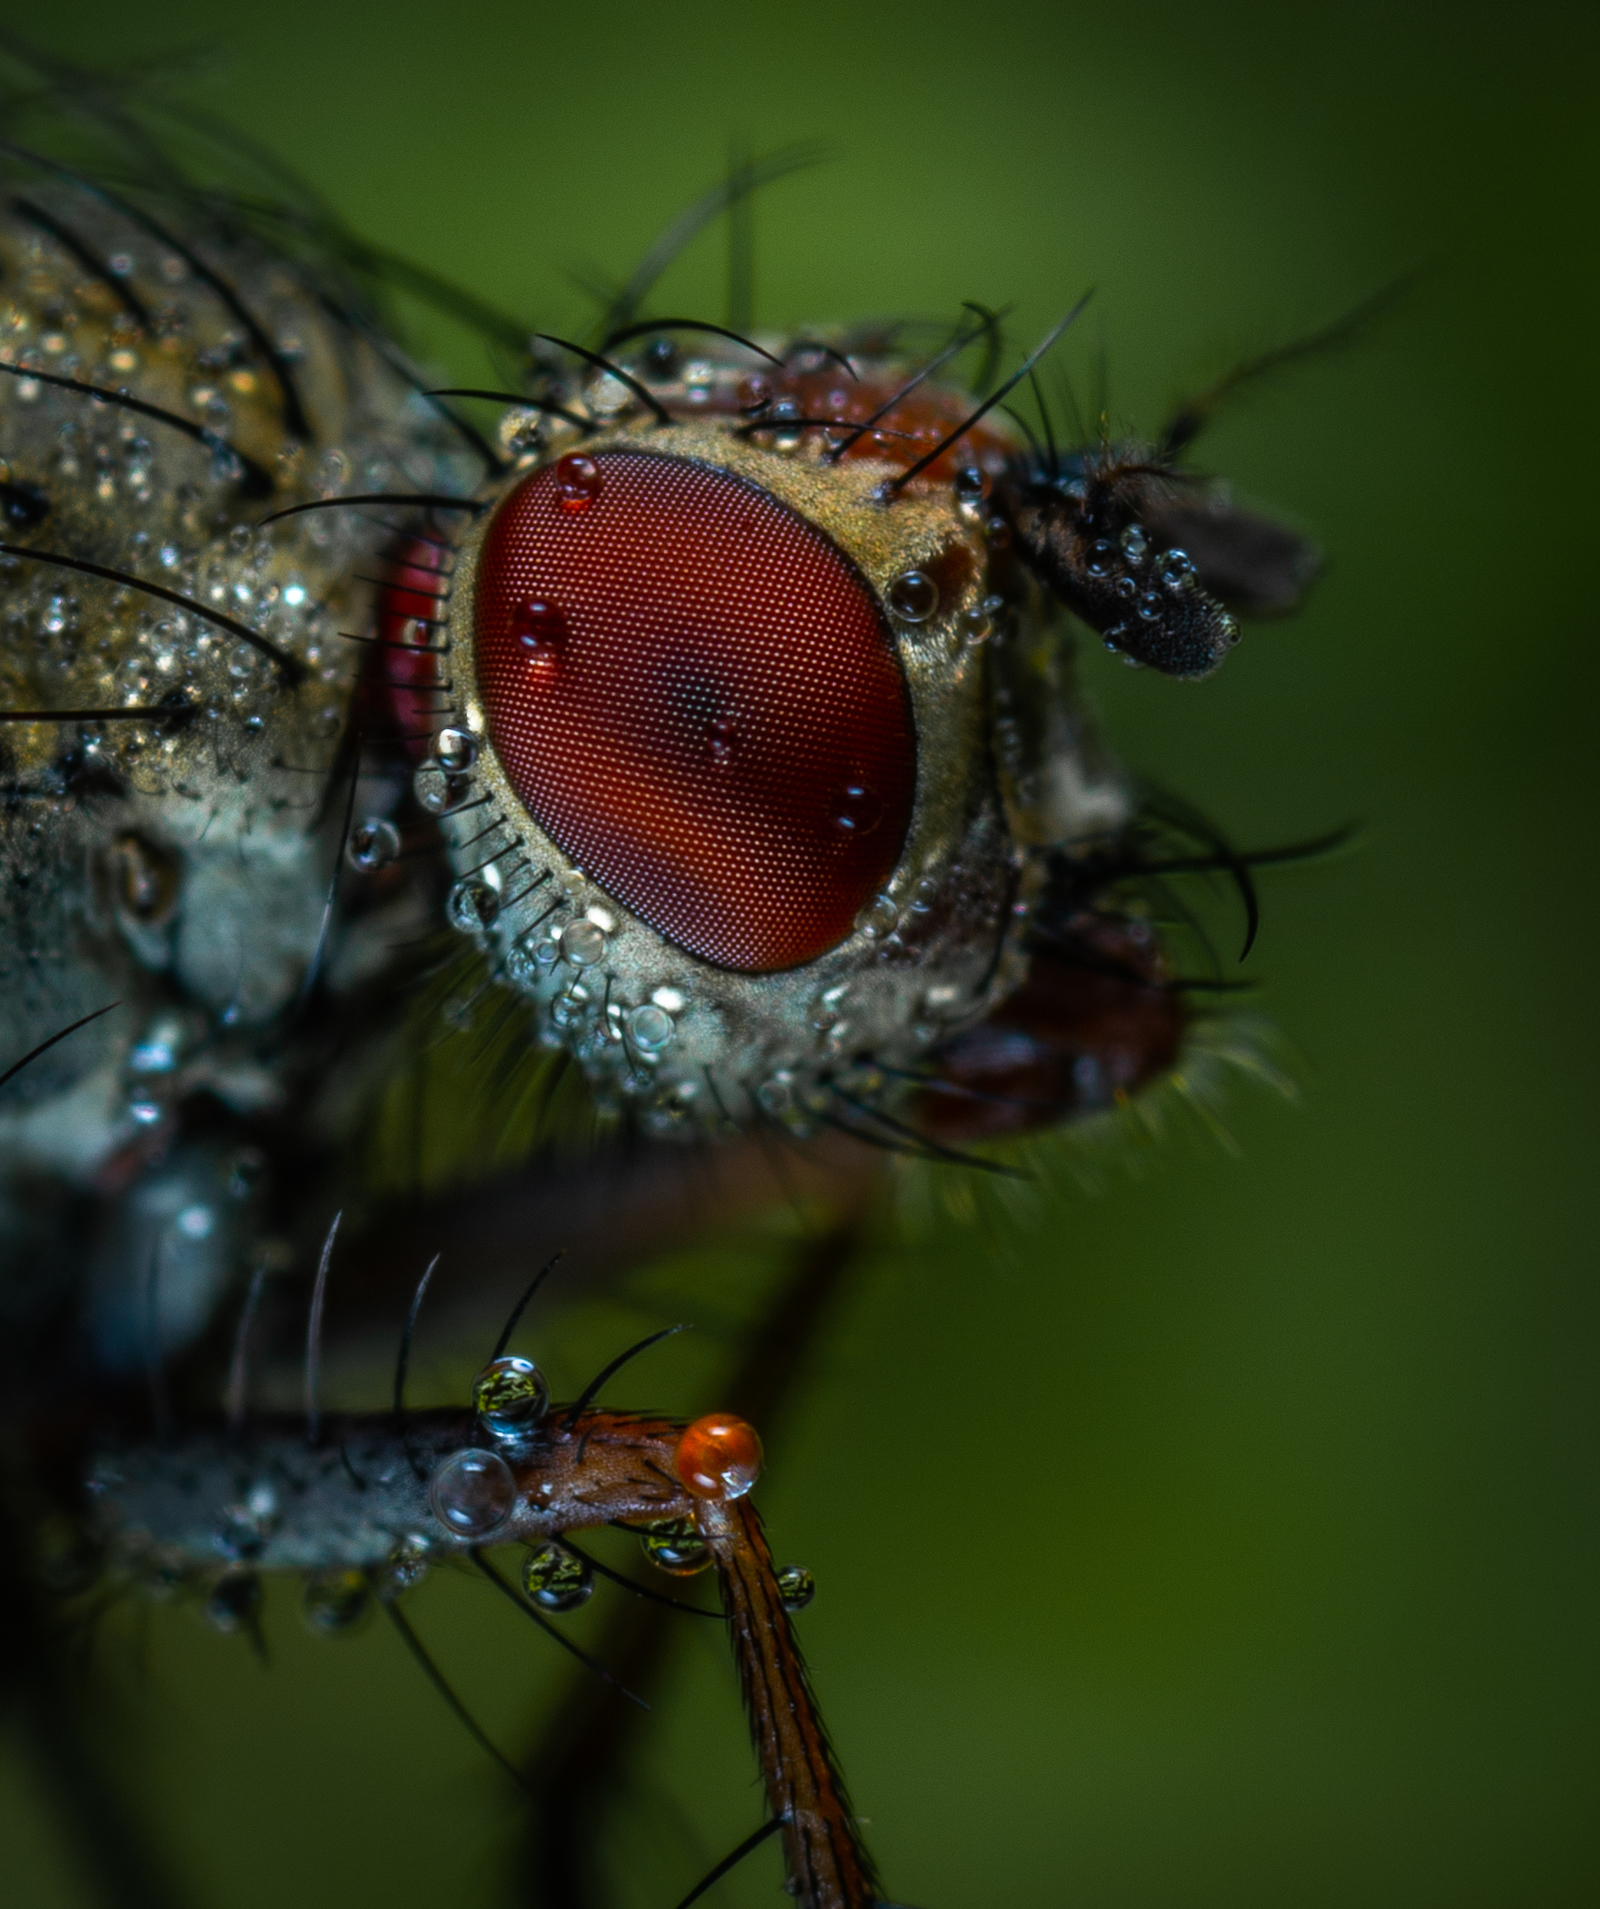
1151	607
577	483
472	1493
542	631
857	809
913	596
1101	559
722	739
1135	543
510	1397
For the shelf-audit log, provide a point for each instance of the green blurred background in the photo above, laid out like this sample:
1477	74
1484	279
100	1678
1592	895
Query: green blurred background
1226	1537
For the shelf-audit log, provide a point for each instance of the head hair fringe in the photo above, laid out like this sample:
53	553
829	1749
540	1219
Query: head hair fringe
1224	1048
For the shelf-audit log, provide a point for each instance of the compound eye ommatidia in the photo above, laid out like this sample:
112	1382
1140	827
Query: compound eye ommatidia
695	694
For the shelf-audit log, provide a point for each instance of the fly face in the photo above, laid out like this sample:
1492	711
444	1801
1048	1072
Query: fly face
720	773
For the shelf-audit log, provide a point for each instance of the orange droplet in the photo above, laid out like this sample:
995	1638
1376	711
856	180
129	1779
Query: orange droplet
719	1457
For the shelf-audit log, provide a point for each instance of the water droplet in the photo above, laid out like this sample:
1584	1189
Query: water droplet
404	1568
510	1397
555	1578
878	917
437	790
925	895
718	1456
577	482
796	1586
582	943
1151	607
722	738
472	1492
913	596
541	629
455	750
336	1603
1135	544
373	844
1101	560
776	1095
971	483
675	1545
234	1601
472	906
1175	569
1125	587
753	392
650	1028
857	809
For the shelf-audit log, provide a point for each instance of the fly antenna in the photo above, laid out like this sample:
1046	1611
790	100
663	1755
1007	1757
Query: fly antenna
239	1366
732	1860
893	489
521	1306
319	1294
591	1390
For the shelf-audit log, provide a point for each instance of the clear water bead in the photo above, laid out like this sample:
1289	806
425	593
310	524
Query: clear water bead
878	917
796	1586
455	749
373	844
1175	569
582	943
234	1601
437	790
555	1578
913	596
675	1545
1135	544
1101	560
650	1028
336	1603
472	906
472	1493
510	1397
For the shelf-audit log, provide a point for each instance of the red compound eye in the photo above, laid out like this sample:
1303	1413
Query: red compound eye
718	1457
695	694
